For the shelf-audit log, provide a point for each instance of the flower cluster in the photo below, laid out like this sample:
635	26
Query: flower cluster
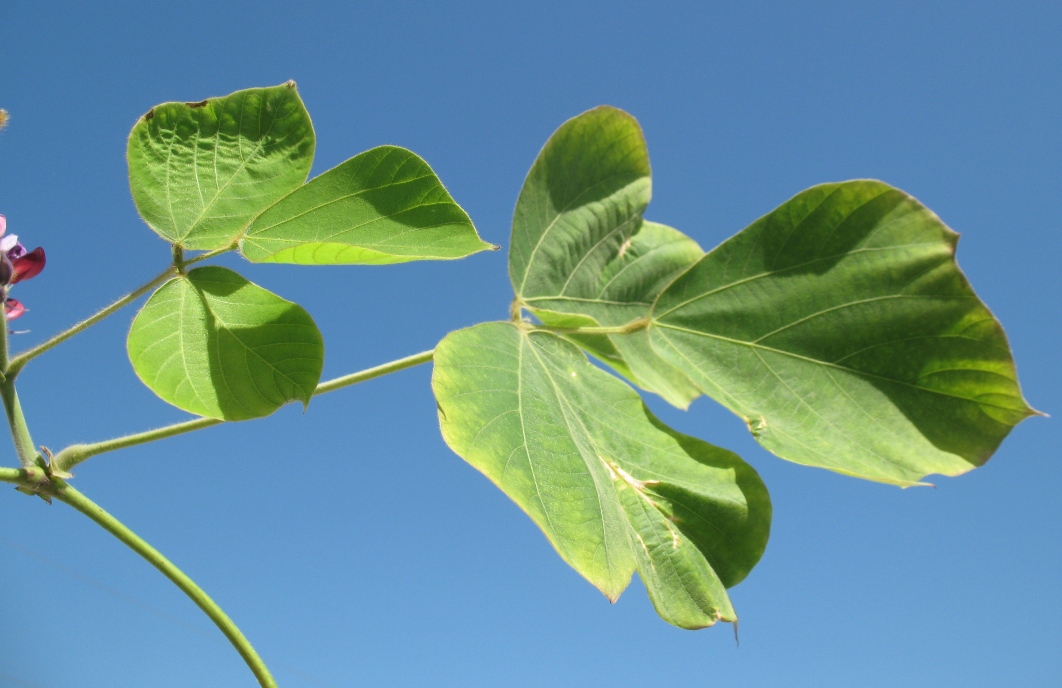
16	264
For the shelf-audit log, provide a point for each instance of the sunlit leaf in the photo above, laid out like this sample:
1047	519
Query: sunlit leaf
200	171
613	489
841	329
383	206
580	247
216	345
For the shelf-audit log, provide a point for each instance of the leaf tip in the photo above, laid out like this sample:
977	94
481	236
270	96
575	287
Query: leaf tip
757	426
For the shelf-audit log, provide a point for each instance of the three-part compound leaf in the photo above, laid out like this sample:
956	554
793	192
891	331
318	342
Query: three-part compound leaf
200	171
841	329
613	489
216	345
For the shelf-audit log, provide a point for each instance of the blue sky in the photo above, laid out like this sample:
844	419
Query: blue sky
349	543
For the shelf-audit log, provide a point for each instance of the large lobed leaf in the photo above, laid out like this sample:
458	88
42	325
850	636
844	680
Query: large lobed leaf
200	171
613	489
582	255
216	345
841	329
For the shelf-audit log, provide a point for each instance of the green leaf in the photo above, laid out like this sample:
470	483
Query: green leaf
626	289
581	248
582	199
216	345
613	489
383	206
841	329
200	171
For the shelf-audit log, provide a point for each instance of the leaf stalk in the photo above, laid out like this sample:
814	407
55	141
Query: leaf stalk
76	453
17	363
632	326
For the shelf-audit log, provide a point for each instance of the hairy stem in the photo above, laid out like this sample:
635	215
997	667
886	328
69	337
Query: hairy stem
24	447
632	326
76	453
60	490
207	256
370	373
16	420
18	362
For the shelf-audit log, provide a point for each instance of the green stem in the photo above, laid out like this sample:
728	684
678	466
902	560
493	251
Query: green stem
16	420
18	362
18	476
208	255
370	373
24	447
63	492
632	326
76	453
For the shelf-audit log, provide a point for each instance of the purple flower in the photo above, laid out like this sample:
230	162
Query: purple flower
16	264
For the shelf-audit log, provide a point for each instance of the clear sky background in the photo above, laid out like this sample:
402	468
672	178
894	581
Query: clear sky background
349	543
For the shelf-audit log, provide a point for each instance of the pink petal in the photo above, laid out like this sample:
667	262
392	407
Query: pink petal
13	308
3	225
28	265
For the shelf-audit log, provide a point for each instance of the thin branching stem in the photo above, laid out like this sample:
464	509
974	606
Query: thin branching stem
18	362
76	453
57	489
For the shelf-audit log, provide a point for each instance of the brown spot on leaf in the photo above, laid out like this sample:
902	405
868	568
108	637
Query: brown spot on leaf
200	104
149	115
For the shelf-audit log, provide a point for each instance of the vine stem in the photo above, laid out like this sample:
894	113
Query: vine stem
63	492
76	453
18	362
16	420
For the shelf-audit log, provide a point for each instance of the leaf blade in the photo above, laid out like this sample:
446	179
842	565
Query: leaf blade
216	345
645	264
583	196
383	206
820	324
581	248
579	437
199	172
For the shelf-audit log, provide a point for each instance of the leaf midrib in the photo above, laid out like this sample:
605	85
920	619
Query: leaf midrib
816	361
564	406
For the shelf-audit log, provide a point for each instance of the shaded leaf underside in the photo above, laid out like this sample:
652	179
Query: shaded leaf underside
581	253
613	489
841	329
